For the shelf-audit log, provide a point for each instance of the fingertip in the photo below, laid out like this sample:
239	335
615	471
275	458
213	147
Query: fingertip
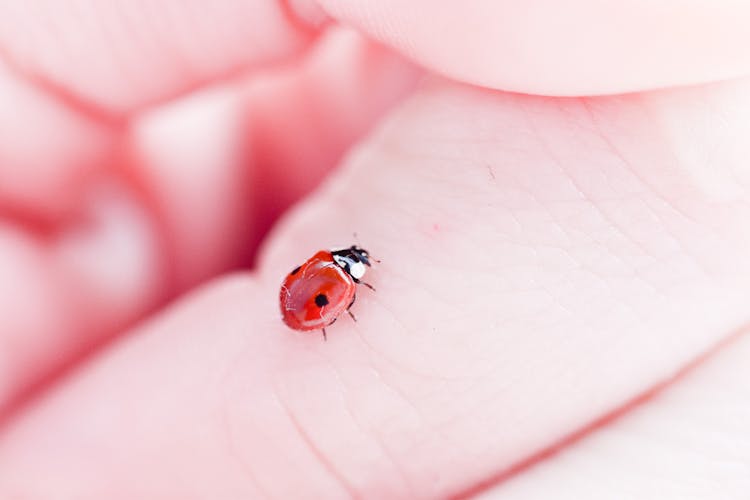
585	47
151	51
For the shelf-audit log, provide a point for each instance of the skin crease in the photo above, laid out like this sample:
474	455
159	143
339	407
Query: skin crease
544	260
672	437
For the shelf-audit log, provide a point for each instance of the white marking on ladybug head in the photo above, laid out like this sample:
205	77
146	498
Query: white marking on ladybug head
351	265
357	270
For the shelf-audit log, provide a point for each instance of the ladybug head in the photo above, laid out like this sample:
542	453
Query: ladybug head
353	260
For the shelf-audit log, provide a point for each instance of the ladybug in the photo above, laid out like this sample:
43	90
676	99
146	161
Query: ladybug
315	294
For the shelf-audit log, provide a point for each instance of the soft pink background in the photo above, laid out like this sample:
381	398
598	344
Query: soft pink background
558	193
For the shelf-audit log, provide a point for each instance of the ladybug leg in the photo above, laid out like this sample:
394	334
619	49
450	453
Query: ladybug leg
348	309
324	330
356	238
359	282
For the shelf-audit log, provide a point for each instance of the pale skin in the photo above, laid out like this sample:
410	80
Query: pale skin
564	273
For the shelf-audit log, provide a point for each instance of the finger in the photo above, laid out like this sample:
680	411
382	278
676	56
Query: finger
273	138
115	56
64	219
583	47
693	441
53	159
93	59
183	207
63	293
47	153
544	261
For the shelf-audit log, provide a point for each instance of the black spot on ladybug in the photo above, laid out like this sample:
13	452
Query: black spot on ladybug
295	270
321	300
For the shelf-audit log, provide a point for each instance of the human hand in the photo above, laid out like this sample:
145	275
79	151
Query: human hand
547	262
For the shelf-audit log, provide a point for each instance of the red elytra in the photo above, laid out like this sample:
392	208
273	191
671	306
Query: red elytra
315	294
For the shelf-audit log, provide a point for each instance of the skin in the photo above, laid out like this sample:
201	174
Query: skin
558	274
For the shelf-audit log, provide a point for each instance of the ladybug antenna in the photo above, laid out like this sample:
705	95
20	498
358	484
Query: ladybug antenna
358	246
